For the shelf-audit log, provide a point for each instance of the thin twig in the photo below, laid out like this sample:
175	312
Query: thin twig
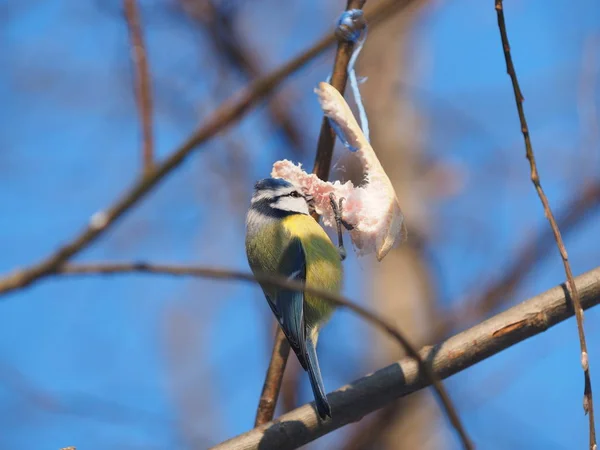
280	282
527	319
275	371
143	88
230	111
588	405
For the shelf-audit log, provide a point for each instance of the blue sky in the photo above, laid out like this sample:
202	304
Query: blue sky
131	361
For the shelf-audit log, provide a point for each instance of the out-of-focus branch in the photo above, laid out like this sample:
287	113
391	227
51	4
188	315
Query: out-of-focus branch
272	385
273	379
230	111
143	88
588	113
290	387
281	347
230	45
497	293
457	353
281	282
588	404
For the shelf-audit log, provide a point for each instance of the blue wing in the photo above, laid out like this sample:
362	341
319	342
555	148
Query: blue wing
288	306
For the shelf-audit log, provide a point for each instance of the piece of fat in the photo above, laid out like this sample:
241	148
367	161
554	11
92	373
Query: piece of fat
371	208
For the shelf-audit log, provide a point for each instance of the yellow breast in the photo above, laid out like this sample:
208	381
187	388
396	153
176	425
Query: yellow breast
323	265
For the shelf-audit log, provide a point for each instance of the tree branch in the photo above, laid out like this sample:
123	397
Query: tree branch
454	355
224	116
588	404
143	88
281	282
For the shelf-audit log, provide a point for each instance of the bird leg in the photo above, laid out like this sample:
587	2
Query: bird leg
338	208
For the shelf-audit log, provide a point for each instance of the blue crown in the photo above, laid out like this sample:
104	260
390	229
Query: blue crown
272	183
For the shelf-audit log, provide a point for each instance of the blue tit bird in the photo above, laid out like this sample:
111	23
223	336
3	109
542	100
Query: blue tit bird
282	238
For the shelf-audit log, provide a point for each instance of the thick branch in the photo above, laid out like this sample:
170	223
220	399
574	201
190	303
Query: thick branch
457	353
588	404
143	89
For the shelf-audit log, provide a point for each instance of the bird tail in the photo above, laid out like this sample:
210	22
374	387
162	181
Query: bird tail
316	382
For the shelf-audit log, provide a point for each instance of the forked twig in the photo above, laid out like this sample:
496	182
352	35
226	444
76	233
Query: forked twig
143	88
588	405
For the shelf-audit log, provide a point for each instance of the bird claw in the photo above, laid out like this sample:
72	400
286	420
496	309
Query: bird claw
338	208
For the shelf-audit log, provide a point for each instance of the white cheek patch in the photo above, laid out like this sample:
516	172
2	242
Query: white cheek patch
372	208
291	204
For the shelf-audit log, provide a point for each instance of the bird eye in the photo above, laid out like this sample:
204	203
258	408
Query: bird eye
295	194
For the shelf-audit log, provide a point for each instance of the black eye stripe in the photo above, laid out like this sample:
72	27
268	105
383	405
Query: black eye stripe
293	194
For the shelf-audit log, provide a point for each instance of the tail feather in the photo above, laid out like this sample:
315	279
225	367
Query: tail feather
316	382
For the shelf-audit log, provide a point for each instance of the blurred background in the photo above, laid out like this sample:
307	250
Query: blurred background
151	362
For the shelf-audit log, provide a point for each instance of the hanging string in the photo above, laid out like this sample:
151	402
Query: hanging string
352	27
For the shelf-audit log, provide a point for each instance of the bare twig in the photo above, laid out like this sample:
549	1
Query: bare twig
224	116
143	88
231	45
275	371
588	405
454	355
281	282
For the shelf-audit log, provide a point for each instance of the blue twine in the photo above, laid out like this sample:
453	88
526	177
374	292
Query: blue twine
352	27
341	135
